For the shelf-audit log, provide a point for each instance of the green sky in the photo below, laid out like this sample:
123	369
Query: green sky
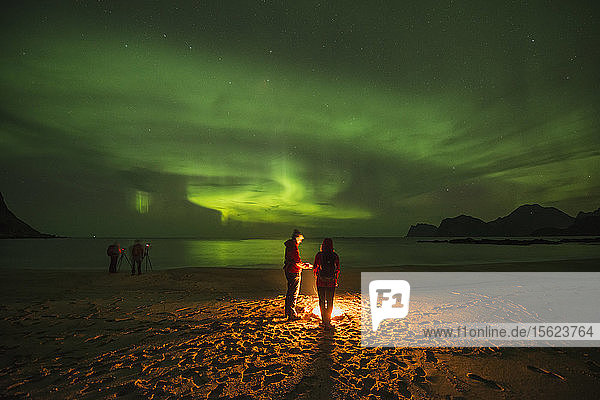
252	118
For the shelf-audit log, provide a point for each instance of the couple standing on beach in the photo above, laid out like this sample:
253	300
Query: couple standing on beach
326	268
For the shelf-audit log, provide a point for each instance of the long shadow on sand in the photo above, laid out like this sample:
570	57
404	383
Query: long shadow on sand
316	382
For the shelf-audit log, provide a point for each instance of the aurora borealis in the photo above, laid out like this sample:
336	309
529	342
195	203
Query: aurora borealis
238	119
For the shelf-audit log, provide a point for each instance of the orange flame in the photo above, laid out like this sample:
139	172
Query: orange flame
336	312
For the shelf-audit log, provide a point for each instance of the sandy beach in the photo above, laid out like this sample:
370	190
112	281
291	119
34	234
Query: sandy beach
221	333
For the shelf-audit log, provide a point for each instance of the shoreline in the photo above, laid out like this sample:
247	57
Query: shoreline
586	264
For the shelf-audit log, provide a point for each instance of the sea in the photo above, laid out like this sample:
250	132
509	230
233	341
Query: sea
88	253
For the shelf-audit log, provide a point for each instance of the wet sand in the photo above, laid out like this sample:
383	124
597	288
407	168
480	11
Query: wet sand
221	333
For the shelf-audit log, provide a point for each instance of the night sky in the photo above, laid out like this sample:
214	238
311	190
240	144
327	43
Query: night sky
250	118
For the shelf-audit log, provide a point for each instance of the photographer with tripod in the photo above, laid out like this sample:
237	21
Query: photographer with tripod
113	251
137	255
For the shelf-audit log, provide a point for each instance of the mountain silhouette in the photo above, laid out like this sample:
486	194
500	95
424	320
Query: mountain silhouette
586	224
529	218
13	227
463	225
422	230
525	220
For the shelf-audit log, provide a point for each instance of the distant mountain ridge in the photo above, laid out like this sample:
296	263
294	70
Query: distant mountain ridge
13	227
525	220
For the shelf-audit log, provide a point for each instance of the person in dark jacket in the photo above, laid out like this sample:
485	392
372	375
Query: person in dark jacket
293	267
327	271
113	251
137	254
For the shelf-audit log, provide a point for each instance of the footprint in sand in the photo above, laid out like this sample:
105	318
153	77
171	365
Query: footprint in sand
385	394
258	386
367	384
286	369
398	364
429	356
251	369
344	356
302	387
545	372
403	389
420	376
278	377
217	392
487	382
198	379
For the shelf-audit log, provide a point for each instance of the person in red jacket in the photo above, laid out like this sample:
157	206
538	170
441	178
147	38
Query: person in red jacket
137	255
327	271
293	267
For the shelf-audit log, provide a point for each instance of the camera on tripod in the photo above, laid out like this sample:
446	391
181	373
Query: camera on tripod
147	261
123	256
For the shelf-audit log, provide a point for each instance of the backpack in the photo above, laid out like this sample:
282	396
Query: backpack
137	250
112	250
327	270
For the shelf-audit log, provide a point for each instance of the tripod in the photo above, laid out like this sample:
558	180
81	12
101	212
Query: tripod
147	261
123	255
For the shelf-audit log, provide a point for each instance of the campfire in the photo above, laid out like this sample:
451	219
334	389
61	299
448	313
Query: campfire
337	313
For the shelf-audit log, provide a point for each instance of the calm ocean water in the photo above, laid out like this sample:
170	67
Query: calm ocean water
263	253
